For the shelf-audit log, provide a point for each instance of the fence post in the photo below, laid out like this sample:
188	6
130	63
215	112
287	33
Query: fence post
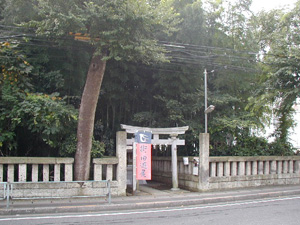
121	153
203	161
7	194
109	191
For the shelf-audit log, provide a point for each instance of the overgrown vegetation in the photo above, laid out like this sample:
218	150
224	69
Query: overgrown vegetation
252	63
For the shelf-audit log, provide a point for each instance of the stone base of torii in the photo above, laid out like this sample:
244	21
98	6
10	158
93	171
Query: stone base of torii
174	141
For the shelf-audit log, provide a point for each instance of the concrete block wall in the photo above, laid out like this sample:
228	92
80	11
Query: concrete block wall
237	172
229	172
53	177
16	169
62	189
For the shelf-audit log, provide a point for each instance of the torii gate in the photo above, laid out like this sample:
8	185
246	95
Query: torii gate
173	141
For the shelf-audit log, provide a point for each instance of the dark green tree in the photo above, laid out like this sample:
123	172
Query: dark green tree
117	30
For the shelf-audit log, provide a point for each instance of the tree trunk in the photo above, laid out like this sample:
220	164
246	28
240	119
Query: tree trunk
86	118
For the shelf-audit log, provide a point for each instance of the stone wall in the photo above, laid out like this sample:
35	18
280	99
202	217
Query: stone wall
228	172
53	177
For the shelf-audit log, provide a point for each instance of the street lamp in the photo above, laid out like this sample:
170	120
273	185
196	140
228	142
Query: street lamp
211	107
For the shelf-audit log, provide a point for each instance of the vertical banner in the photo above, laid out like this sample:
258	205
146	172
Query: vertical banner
143	155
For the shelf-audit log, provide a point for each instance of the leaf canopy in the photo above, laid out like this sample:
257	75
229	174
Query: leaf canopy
124	29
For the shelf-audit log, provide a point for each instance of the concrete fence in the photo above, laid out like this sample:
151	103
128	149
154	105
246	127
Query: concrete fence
53	177
235	172
32	177
206	173
22	169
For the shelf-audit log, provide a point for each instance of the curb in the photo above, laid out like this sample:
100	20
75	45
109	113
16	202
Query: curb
146	205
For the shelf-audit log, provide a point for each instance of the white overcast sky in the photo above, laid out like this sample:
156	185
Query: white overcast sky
258	5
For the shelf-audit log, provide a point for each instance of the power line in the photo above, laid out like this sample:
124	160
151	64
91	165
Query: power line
179	54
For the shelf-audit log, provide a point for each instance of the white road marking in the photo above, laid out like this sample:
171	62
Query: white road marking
150	211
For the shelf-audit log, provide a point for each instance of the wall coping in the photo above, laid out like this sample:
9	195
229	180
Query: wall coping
110	160
251	158
233	158
35	160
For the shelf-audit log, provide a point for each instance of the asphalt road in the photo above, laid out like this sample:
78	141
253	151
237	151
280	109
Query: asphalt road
279	211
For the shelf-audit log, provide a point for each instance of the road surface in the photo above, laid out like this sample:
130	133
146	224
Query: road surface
285	211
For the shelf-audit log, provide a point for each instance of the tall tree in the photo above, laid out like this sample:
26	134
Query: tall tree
117	30
278	34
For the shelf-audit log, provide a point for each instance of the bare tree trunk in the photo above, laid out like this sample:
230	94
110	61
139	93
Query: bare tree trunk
86	118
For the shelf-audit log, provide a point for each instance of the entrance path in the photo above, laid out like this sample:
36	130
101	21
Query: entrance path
159	189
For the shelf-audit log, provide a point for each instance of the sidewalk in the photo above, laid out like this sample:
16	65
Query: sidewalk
148	197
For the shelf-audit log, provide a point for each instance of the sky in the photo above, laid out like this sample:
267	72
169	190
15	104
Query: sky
258	5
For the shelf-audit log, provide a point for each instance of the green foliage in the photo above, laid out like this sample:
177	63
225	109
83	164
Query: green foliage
106	137
68	148
124	29
281	148
14	67
221	37
249	145
44	117
43	114
278	34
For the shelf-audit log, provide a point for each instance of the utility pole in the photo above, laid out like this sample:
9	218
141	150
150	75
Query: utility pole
205	98
211	107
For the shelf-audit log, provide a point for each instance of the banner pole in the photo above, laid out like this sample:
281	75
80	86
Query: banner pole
134	169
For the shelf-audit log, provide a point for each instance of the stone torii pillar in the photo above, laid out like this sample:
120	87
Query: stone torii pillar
173	141
174	163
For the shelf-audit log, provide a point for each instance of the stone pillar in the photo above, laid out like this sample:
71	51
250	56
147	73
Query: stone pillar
174	163
121	153
10	173
45	172
22	172
291	166
285	166
279	167
56	172
1	172
97	172
260	167
254	168
68	172
241	168
203	162
213	169
227	169
267	168
109	172
273	167
233	169
297	167
35	173
220	171
248	168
